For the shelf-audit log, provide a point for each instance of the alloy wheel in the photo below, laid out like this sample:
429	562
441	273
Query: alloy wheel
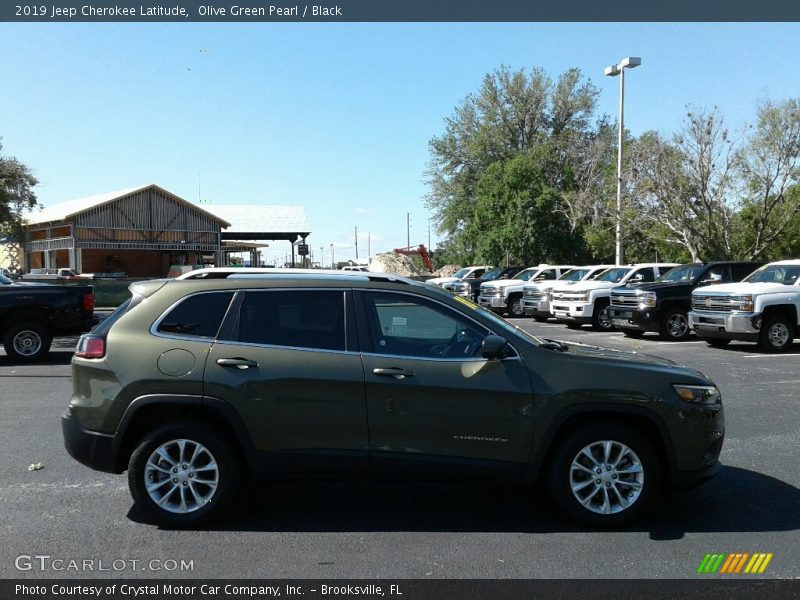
606	477
181	476
27	342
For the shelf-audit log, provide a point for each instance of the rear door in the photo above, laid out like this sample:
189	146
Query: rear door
288	365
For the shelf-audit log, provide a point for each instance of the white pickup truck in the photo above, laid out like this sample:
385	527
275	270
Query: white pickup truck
762	308
505	295
588	301
465	273
536	297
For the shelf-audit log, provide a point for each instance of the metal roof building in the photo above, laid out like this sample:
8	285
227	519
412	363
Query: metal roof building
143	230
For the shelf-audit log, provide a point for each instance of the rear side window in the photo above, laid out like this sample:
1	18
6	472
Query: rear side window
199	315
297	319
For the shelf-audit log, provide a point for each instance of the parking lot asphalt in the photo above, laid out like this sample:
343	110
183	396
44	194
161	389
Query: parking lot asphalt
407	529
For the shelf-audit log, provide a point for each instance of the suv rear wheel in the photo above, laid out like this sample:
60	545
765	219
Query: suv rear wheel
776	334
184	474
604	474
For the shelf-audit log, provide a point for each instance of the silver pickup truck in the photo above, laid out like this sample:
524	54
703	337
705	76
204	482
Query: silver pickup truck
762	308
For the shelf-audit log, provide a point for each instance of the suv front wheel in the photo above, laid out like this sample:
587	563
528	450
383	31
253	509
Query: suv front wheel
184	474
604	474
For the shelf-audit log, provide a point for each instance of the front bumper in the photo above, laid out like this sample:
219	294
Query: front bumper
733	326
647	319
572	311
536	307
493	302
95	450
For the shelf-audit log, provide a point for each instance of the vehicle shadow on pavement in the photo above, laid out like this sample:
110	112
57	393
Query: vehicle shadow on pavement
736	500
57	356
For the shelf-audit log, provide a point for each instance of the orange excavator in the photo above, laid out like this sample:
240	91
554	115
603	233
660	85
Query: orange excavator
420	250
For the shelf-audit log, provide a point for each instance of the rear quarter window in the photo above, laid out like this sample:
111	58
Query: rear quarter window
199	315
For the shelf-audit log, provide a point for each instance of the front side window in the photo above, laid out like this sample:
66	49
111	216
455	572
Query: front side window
645	274
199	315
402	325
682	274
296	319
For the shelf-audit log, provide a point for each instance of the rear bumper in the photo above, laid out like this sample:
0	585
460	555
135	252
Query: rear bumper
95	450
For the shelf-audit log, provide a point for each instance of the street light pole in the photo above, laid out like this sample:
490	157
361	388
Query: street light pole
612	71
333	263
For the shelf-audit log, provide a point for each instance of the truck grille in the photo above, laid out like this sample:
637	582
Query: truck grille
568	297
533	294
487	291
626	300
712	303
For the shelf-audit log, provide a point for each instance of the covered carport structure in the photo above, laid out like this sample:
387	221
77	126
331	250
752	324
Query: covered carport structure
258	223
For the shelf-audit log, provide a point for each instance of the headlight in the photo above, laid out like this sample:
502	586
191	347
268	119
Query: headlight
549	295
742	303
647	299
583	297
501	291
699	394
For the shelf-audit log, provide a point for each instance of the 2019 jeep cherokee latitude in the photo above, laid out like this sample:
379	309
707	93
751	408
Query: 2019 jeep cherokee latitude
193	384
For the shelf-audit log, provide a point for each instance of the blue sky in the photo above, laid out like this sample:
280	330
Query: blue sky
335	117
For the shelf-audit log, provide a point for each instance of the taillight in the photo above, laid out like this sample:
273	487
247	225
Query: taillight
91	346
88	302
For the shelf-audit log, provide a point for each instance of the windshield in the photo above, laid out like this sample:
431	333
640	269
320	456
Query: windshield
491	275
574	275
785	274
526	274
461	273
614	275
683	273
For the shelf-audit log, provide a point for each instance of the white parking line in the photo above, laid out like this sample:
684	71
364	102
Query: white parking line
769	355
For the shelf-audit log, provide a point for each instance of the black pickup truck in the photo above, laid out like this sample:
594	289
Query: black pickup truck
663	305
32	313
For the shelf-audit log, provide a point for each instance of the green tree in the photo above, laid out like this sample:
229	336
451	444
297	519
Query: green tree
512	113
16	197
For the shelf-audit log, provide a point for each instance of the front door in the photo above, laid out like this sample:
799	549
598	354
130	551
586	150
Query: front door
434	404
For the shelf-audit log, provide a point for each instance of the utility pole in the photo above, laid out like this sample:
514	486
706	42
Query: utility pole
356	245
322	257
333	260
369	246
429	234
408	230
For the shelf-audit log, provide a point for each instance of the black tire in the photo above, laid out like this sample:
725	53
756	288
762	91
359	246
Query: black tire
601	316
515	308
573	325
540	318
561	472
632	333
674	326
220	448
776	335
27	342
717	342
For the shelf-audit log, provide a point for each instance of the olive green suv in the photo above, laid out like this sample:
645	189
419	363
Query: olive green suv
193	384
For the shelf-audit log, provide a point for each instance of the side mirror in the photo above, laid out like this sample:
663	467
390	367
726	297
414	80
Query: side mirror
493	347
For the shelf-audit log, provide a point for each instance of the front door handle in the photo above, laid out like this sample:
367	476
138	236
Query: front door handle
239	363
393	372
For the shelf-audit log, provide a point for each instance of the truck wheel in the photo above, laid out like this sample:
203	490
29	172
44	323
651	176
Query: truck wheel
601	316
632	333
604	474
184	474
717	342
776	334
515	308
674	326
27	342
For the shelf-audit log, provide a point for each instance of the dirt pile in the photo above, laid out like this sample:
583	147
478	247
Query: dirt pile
390	262
447	271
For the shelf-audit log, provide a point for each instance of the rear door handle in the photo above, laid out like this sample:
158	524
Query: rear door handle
239	363
393	372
